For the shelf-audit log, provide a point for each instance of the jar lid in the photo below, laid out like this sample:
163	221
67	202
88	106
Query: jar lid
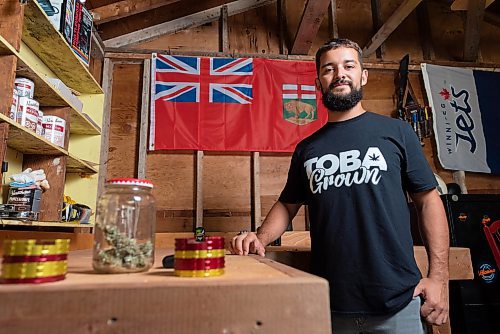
131	182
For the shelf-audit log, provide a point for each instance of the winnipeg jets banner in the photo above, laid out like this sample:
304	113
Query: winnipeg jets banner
232	104
466	117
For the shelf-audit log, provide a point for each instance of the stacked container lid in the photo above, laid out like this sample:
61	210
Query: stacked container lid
199	258
32	261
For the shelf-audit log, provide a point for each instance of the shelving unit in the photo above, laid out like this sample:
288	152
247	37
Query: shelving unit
46	94
44	55
45	41
19	136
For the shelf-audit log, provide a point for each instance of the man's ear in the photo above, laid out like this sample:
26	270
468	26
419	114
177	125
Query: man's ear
364	77
318	85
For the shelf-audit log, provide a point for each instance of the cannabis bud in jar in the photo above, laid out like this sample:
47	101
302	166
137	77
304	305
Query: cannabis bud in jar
125	227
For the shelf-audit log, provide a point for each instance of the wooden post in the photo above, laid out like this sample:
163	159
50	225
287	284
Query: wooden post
332	20
4	133
107	87
255	198
377	23
199	190
223	30
55	171
424	26
144	128
283	27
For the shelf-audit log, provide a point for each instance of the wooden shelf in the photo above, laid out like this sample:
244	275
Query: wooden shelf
27	142
11	222
47	95
45	41
77	165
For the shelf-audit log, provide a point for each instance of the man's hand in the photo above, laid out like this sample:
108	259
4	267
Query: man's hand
435	294
245	243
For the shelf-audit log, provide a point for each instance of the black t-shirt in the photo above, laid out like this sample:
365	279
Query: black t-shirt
354	176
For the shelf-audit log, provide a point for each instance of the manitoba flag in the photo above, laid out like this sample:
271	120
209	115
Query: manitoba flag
232	104
466	117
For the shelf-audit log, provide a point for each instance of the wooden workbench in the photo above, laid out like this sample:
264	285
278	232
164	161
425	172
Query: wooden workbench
255	295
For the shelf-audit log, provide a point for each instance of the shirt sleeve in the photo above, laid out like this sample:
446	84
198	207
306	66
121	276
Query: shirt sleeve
417	173
294	191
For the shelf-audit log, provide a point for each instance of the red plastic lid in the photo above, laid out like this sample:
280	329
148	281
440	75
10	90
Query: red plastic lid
130	182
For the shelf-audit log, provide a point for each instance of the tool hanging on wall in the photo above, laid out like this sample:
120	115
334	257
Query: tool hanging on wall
409	109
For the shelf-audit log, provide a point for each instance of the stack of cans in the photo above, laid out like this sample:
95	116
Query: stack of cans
199	258
32	261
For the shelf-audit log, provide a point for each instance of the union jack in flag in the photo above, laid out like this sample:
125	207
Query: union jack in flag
192	79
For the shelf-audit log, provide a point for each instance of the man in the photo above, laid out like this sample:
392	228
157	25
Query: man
354	174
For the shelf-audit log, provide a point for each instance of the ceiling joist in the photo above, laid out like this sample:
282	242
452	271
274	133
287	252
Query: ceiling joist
475	14
121	9
186	22
462	4
390	25
312	16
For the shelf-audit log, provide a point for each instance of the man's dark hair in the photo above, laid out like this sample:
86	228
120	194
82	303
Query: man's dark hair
335	44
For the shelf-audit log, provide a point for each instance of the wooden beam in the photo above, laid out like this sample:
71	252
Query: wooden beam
255	180
97	42
424	27
333	29
473	29
492	19
190	21
107	87
463	4
132	54
283	26
377	23
199	190
125	8
312	16
390	25
223	30
144	128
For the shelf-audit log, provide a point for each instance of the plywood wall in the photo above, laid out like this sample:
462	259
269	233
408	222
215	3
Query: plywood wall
227	177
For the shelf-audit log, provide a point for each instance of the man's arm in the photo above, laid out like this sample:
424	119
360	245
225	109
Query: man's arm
434	229
276	222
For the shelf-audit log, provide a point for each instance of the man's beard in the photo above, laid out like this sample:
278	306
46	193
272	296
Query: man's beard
344	102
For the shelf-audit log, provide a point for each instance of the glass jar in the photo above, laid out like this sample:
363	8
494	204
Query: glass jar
125	227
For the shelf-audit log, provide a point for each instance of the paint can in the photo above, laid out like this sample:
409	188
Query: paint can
25	87
27	113
54	129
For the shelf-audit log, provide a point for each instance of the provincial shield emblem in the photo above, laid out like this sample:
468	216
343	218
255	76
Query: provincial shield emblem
299	104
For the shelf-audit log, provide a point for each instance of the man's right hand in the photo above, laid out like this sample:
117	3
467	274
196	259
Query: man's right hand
246	243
